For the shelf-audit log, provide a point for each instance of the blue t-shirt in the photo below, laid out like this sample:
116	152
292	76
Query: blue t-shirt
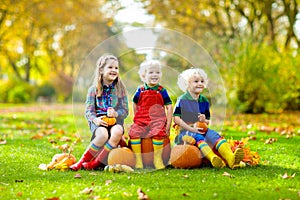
188	108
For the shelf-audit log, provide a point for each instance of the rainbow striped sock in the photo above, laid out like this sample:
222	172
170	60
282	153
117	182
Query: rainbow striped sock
107	146
135	141
219	143
94	149
157	141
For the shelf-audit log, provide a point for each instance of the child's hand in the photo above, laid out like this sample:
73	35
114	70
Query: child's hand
201	117
111	112
99	122
197	130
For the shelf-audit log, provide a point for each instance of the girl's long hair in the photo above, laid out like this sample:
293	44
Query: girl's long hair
98	80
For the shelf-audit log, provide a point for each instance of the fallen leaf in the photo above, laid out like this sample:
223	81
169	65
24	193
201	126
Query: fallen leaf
53	198
93	174
185	194
270	140
2	141
142	195
64	147
185	176
65	139
286	176
267	129
251	133
252	138
19	194
77	176
126	194
227	174
107	182
37	136
43	167
87	191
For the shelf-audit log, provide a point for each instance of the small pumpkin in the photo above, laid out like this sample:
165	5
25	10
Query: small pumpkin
122	156
60	158
202	125
109	120
185	157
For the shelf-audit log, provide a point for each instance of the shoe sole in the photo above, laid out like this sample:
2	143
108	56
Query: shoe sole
238	157
217	162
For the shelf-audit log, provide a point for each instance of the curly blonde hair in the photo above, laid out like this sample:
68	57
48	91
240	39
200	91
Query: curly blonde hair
147	64
185	76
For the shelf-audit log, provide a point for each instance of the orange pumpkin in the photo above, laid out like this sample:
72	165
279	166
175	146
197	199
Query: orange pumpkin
185	157
109	120
202	125
147	151
122	155
67	158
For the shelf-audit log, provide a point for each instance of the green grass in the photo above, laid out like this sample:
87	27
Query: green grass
20	157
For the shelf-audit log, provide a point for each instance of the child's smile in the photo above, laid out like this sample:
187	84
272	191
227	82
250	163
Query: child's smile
196	84
110	72
153	75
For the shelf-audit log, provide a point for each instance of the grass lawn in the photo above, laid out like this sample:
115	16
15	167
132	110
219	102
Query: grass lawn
31	135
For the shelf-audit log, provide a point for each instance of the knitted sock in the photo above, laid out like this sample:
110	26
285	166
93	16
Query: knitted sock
136	148
158	145
94	149
100	158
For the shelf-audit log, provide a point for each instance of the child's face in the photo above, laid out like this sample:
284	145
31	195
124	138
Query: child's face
196	84
110	71
153	75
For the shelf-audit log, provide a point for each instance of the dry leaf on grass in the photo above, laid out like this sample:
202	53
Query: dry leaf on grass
270	140
227	174
19	194
93	174
142	195
77	176
87	191
43	167
107	182
54	198
2	141
286	176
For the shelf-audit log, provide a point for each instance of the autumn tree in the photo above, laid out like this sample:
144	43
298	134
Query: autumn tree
44	38
254	43
271	20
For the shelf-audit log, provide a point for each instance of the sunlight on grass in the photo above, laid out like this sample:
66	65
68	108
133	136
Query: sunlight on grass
33	137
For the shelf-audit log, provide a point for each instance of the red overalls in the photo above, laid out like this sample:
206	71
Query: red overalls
150	118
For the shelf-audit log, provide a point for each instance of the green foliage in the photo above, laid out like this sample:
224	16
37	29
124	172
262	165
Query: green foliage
45	90
19	94
5	88
260	79
16	91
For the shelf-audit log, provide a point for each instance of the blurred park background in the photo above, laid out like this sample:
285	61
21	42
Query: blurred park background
254	45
